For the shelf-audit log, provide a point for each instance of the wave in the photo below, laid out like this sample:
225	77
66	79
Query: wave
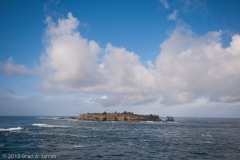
67	119
78	146
48	125
10	129
40	125
60	118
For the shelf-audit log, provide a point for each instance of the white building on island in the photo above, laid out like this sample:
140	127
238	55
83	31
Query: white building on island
105	112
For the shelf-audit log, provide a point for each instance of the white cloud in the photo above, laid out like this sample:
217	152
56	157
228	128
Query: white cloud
173	16
72	65
104	97
150	64
124	72
70	59
12	69
165	3
192	66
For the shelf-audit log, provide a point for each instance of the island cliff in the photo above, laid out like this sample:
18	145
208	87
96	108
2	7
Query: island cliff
127	116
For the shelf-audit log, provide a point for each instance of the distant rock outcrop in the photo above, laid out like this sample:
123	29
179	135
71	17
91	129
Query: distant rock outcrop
118	117
169	118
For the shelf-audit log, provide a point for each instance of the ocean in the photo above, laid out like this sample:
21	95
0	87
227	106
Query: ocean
54	138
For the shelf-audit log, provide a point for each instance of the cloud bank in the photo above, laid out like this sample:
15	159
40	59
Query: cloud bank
188	68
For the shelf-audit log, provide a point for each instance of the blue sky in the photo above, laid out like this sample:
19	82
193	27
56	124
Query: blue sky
168	57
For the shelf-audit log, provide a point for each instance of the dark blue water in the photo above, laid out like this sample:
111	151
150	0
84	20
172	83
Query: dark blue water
187	138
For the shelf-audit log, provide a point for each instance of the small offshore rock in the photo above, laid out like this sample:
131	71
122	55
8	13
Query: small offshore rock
169	118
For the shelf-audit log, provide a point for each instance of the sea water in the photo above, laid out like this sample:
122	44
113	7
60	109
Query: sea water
54	138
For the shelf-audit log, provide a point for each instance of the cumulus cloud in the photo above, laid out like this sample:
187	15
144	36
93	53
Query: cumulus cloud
173	16
191	66
71	64
69	59
165	3
12	69
125	73
150	64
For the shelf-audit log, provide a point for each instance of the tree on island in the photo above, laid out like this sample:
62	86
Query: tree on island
104	113
125	112
153	117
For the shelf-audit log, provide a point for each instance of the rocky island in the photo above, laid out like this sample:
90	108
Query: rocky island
125	116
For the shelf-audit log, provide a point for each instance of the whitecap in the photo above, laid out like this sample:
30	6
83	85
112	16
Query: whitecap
48	125
40	125
10	129
54	118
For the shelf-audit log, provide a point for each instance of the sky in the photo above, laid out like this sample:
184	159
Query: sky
177	58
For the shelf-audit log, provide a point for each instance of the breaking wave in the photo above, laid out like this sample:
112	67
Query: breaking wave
48	125
10	129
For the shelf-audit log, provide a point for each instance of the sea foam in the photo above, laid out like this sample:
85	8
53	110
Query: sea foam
48	125
10	129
